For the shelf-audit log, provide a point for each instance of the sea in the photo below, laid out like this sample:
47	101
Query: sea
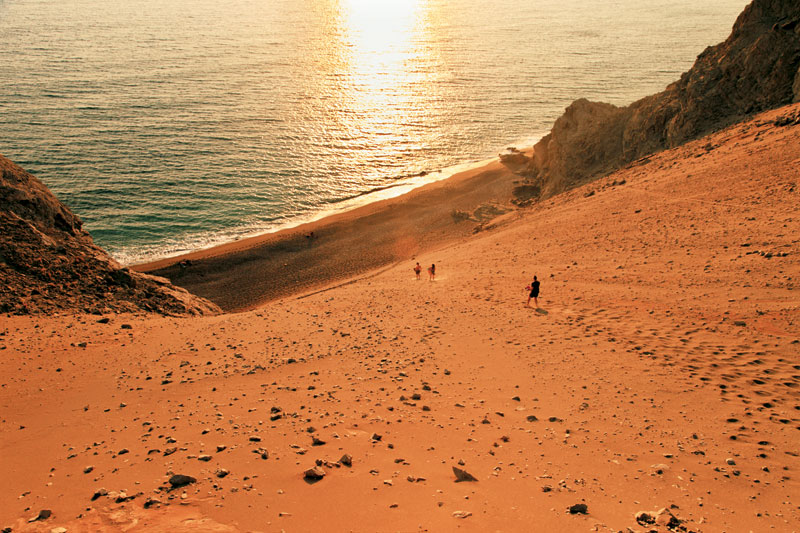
175	125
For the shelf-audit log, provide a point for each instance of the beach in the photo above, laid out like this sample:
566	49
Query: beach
244	274
656	386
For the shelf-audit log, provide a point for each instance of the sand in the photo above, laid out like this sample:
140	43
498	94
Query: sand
245	274
660	372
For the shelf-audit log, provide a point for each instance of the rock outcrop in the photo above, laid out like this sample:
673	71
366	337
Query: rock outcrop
48	263
757	68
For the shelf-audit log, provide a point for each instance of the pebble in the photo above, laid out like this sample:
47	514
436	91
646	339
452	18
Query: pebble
579	508
463	475
44	514
314	474
179	480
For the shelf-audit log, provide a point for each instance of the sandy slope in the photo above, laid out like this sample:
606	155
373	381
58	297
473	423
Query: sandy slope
245	274
662	370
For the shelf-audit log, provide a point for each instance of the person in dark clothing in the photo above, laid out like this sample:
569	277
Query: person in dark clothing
534	288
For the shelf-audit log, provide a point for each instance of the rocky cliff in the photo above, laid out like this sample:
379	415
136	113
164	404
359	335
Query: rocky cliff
48	263
755	69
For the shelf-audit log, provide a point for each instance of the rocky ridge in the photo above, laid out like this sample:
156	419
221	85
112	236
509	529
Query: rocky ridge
757	68
49	263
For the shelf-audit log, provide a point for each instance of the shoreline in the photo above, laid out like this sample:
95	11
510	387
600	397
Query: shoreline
344	205
133	256
249	272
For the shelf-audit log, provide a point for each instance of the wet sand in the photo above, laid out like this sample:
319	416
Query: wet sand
245	274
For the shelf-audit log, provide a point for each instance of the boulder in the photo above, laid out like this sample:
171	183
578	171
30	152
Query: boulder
48	262
757	68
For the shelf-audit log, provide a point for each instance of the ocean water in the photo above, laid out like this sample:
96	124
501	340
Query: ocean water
172	125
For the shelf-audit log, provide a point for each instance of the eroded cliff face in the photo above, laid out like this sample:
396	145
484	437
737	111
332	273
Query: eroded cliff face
48	263
755	69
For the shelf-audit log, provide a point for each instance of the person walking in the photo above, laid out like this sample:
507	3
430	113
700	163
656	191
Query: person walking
432	272
417	269
534	288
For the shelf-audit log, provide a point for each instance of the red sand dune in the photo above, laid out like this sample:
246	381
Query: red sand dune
661	372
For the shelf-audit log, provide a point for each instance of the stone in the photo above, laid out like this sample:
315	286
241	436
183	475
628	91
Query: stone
315	441
44	514
204	458
579	508
181	480
643	518
463	475
346	460
150	502
99	493
461	514
221	472
659	468
88	469
666	519
314	474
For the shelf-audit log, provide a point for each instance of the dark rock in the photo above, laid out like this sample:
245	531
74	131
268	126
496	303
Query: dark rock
463	475
99	493
180	480
579	508
643	518
150	502
123	497
314	474
44	514
346	460
204	458
221	472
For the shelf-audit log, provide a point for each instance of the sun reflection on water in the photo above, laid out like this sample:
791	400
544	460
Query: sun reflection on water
382	56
